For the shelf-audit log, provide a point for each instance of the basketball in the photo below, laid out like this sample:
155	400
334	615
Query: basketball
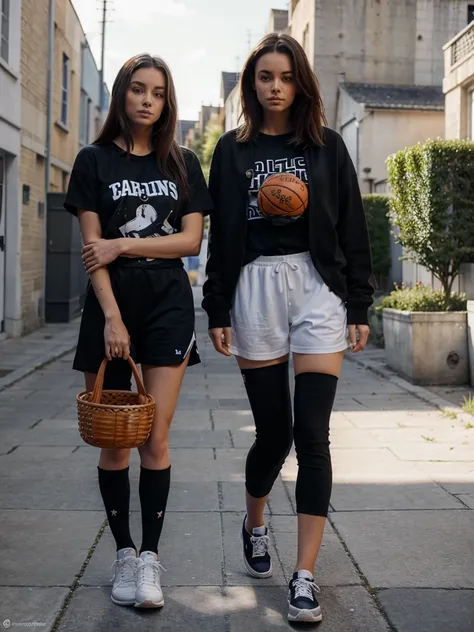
282	198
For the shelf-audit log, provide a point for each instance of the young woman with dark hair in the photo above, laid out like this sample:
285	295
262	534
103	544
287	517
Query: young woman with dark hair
140	199
302	288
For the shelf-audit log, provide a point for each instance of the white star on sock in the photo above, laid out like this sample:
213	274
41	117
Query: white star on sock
113	512
160	514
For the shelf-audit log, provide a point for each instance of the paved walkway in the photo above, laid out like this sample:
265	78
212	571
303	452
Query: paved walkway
398	553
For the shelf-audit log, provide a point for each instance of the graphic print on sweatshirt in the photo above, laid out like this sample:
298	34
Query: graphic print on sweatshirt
145	209
266	168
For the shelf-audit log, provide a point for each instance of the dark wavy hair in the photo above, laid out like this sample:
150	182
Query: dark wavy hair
307	110
169	156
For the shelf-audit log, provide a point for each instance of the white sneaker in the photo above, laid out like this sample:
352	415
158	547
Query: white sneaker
125	577
149	593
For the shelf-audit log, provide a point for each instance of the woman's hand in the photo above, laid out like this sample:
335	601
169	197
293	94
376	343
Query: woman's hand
221	339
100	253
116	338
358	345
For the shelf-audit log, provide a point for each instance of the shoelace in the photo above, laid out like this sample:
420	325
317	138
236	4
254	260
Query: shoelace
150	572
305	588
260	545
127	567
278	267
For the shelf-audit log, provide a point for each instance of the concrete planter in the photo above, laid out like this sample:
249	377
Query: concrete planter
427	347
470	339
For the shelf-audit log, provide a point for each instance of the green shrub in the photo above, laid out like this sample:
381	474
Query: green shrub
433	205
376	209
422	298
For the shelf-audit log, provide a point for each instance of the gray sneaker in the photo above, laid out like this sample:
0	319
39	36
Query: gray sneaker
148	593
125	577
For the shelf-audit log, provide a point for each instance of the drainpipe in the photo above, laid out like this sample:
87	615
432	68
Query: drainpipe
49	116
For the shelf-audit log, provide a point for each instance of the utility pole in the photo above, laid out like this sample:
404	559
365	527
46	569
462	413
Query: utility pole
102	54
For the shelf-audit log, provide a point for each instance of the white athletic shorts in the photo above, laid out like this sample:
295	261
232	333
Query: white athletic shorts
281	304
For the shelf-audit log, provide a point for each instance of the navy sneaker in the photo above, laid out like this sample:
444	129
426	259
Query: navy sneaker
303	605
256	558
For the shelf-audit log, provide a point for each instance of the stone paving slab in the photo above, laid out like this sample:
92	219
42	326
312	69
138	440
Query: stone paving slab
411	549
433	452
429	610
345	609
450	435
78	492
467	499
190	556
195	610
391	496
45	548
180	438
38	607
406	418
334	567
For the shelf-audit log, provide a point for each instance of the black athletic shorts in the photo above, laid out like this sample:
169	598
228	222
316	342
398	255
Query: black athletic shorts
157	308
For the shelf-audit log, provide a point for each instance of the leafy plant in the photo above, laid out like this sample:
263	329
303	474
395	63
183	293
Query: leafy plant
376	209
423	298
433	205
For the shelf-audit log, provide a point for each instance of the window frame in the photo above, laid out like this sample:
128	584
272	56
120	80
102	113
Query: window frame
65	72
5	30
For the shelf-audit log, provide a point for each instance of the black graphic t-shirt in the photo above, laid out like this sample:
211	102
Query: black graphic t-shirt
130	195
275	155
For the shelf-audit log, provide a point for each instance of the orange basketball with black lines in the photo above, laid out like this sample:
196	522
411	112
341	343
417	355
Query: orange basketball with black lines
282	198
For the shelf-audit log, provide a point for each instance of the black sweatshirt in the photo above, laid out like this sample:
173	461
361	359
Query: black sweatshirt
339	241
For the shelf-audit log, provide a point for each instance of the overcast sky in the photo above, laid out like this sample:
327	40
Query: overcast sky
198	38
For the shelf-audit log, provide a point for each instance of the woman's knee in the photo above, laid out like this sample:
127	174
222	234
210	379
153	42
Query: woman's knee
114	458
275	449
155	450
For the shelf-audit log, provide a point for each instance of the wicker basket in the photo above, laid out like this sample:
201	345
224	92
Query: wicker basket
115	419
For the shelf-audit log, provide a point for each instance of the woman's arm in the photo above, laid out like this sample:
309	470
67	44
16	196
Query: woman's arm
354	241
115	334
100	253
215	302
183	244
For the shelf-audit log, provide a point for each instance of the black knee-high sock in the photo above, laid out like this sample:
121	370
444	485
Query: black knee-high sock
153	488
115	490
314	399
268	391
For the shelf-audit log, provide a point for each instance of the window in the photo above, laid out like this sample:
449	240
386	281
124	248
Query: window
470	13
4	29
84	123
64	89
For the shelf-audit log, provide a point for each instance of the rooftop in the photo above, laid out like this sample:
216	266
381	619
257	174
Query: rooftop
394	97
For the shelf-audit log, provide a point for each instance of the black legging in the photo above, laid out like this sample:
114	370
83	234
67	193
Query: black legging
269	395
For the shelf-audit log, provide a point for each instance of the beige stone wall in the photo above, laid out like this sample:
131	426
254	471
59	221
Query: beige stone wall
458	86
68	35
34	56
65	142
384	132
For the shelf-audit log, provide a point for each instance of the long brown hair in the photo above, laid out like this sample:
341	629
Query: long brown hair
168	153
307	110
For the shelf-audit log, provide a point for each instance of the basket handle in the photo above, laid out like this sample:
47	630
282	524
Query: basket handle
99	381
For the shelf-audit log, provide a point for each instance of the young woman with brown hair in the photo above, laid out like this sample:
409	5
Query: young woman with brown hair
140	199
273	290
